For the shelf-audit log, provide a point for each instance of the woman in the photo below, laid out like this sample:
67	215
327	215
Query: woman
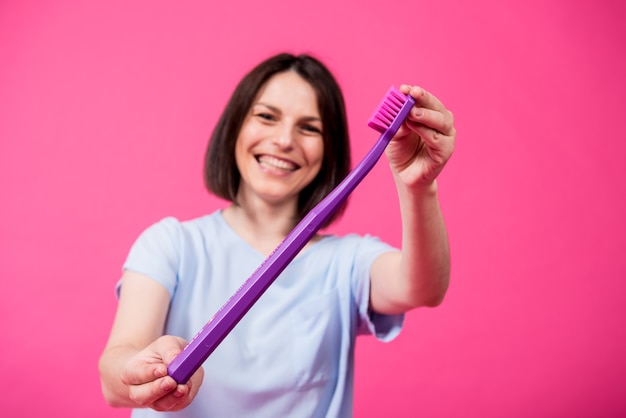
280	146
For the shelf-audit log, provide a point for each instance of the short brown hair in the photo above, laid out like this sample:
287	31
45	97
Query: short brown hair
221	175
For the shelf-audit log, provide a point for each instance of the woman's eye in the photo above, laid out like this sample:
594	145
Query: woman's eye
265	116
311	129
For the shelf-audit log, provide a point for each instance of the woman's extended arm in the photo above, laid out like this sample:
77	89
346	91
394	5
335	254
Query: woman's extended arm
133	366
419	274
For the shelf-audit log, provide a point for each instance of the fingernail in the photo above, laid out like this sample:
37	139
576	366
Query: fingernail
167	385
417	112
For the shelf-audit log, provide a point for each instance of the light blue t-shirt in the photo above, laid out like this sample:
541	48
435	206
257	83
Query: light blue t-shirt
292	354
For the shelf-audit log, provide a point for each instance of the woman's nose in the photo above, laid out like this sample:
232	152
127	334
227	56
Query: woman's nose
284	138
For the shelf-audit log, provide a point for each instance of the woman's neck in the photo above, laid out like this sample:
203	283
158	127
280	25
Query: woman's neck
262	225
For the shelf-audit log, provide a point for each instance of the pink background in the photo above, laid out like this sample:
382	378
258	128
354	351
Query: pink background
105	110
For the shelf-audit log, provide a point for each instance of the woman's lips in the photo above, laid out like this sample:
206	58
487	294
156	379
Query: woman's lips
277	163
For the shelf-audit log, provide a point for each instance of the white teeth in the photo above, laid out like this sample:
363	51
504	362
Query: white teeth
274	162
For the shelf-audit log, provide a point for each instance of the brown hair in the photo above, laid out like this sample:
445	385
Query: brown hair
221	175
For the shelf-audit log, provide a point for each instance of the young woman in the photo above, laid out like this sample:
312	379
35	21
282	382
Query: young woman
279	148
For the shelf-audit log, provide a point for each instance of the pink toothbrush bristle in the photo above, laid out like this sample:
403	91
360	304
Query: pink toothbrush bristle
387	110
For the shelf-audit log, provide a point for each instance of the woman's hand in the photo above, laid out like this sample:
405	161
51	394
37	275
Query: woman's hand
424	142
420	273
147	380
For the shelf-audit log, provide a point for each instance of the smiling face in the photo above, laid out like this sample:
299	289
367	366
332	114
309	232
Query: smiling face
280	147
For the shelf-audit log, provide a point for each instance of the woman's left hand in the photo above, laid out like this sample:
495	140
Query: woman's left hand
424	142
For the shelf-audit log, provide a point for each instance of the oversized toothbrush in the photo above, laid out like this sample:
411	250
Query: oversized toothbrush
387	119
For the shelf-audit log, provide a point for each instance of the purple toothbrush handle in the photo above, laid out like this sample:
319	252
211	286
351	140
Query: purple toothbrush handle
217	328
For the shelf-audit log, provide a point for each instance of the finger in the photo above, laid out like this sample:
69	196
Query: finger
146	394
439	121
182	396
168	347
440	146
170	352
423	98
174	400
140	371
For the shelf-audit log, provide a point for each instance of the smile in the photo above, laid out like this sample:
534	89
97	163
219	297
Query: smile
277	163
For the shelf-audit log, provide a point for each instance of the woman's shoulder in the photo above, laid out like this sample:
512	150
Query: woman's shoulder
174	222
173	228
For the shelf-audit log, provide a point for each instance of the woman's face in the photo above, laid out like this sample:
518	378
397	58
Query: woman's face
280	146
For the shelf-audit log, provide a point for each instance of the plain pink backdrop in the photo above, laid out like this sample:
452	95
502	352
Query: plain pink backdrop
105	110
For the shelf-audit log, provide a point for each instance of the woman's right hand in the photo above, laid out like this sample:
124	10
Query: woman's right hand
148	383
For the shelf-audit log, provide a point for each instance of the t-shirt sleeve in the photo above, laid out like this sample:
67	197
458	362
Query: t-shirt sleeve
383	327
156	253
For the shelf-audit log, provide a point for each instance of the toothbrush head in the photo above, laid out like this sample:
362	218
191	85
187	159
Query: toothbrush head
392	111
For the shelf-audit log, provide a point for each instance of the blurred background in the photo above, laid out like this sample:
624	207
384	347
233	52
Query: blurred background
105	112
